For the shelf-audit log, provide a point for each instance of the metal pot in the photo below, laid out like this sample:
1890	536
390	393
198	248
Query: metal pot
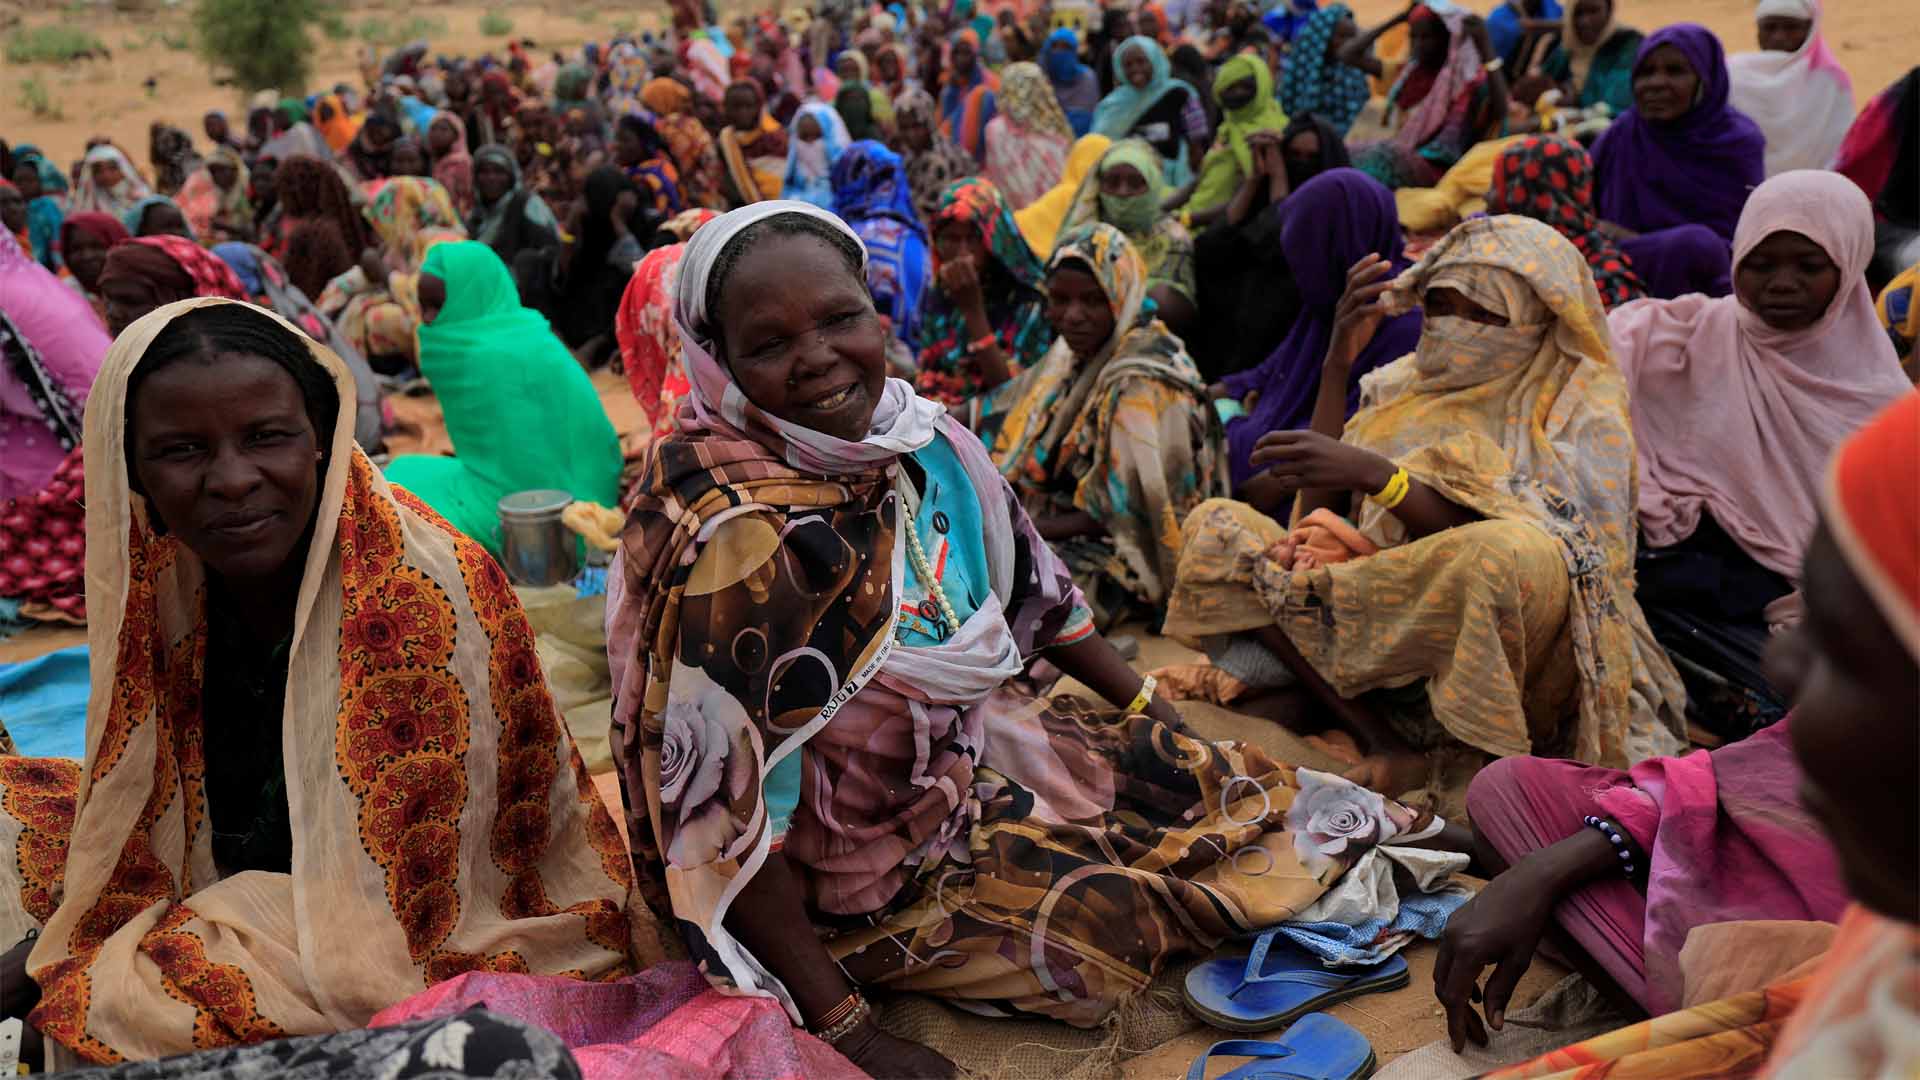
537	546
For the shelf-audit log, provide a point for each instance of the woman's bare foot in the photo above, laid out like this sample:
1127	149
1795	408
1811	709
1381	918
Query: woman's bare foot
1391	774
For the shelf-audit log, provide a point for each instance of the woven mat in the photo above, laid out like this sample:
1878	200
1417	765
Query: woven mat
993	1048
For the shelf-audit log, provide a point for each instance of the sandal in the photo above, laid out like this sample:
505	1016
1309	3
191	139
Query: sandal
1318	1047
1274	986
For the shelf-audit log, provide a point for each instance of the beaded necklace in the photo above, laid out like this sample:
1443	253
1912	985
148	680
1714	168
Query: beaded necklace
922	567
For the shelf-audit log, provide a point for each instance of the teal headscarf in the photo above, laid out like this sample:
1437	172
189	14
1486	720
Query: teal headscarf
521	412
1120	110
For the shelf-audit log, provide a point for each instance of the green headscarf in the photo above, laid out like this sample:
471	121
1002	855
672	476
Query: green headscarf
521	412
1231	159
1135	215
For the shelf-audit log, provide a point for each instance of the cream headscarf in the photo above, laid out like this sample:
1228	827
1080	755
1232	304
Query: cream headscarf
442	819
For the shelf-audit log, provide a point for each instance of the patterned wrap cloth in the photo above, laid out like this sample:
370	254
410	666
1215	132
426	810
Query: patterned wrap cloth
1019	318
1016	849
1125	435
1527	425
1550	179
444	821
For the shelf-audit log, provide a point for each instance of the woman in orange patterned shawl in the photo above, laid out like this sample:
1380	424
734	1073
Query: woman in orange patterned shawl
422	811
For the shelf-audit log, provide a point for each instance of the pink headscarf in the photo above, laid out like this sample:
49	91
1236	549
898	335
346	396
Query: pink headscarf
1737	418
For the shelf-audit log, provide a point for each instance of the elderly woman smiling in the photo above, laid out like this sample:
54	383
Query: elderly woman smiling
826	598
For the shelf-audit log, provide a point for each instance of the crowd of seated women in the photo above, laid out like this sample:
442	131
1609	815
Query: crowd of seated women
1512	397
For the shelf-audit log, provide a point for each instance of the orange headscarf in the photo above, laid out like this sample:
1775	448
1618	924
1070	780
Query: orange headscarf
1873	509
336	126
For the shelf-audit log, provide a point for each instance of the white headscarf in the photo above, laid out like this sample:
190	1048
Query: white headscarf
902	423
1802	100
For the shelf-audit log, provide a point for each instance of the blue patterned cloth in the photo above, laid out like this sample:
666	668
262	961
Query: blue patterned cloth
871	193
1313	83
1422	915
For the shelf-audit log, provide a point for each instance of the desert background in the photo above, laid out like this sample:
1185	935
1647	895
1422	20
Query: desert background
58	105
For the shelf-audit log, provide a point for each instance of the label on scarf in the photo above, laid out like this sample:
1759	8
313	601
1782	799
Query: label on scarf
1155	133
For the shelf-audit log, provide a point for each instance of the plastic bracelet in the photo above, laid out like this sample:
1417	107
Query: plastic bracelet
856	1013
1395	492
1145	697
1619	842
987	341
1493	65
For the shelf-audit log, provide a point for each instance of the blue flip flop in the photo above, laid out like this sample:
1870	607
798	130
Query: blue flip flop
1278	982
1318	1047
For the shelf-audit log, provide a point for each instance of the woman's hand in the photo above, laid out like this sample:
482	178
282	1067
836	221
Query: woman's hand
374	267
1311	461
881	1054
1500	928
1358	314
1218	391
624	205
1475	28
961	281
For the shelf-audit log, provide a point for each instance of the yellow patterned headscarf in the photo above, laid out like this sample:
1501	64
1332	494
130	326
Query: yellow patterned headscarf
1529	422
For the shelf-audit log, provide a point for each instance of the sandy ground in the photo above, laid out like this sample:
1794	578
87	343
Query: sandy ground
1876	39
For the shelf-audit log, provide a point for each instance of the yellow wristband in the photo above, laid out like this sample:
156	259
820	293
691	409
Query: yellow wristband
1145	697
1395	492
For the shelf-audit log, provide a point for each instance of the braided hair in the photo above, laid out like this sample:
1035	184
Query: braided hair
208	332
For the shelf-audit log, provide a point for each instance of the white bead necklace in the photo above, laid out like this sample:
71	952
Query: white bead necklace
909	509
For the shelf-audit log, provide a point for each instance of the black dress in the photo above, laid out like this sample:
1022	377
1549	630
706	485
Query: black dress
243	694
1705	599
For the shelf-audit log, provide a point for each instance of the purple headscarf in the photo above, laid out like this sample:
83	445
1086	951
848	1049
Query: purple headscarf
1698	169
1333	221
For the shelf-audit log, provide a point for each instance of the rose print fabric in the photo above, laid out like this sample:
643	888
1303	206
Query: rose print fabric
443	820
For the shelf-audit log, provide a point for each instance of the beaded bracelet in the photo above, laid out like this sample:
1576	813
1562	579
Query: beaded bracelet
842	1019
1618	840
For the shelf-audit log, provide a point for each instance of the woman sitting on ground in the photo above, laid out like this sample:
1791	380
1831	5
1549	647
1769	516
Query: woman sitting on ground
1244	89
376	303
1126	190
1147	102
317	232
85	240
1738	402
934	160
1502	442
1108	440
986	317
753	146
1444	101
1550	179
820	564
870	193
214	199
296	812
1592	60
1316	80
520	412
151	271
1337	219
508	216
1852	668
1028	140
1247	293
157	215
816	139
1041	220
1671	174
1794	88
